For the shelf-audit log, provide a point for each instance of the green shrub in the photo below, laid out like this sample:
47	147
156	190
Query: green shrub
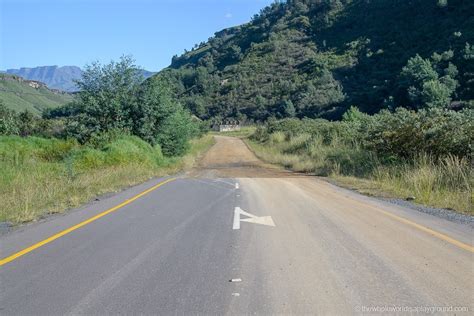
175	134
131	150
407	133
351	161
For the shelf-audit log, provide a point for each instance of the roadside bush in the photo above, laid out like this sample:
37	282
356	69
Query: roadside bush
277	137
407	133
175	134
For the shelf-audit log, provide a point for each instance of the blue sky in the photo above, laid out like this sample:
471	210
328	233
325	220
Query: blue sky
76	32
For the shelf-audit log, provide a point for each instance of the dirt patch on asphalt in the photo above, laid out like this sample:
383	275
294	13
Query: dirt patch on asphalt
231	158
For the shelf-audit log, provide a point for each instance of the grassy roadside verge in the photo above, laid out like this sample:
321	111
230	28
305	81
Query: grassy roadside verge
39	176
444	184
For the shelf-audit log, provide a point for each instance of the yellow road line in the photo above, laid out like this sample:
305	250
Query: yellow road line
81	224
427	230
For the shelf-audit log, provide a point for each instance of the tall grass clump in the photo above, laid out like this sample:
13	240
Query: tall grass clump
277	137
442	182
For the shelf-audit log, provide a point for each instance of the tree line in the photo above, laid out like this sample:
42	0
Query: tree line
113	100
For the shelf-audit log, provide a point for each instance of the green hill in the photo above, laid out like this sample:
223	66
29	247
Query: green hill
19	95
316	58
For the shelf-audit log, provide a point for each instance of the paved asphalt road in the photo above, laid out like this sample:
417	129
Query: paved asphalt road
292	244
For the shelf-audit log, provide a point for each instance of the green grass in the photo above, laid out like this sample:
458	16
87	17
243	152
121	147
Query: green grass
445	183
40	176
19	96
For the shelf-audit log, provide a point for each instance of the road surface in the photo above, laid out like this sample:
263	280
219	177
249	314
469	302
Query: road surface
235	236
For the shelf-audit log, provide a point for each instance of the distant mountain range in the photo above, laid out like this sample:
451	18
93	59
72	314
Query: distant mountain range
61	78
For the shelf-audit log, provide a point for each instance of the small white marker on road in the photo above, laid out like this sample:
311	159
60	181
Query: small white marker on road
235	294
235	280
236	185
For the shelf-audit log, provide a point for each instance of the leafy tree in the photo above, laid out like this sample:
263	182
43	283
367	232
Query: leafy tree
353	114
234	53
467	75
151	108
435	94
420	70
287	109
424	85
107	93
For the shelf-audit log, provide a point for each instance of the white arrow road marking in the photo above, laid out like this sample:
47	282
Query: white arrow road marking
262	220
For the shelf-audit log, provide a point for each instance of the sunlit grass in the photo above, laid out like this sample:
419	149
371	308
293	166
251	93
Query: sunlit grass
445	183
35	180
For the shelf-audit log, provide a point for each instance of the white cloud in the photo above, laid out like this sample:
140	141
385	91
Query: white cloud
228	15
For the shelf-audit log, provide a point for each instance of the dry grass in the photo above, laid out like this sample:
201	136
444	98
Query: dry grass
31	189
445	183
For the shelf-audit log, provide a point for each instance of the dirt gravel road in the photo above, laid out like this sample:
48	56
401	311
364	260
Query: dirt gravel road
231	158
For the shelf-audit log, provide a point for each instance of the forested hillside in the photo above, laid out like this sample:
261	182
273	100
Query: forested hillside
316	58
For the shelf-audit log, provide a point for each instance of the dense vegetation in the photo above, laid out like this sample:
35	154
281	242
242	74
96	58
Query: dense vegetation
16	94
118	131
425	154
310	58
113	100
40	176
